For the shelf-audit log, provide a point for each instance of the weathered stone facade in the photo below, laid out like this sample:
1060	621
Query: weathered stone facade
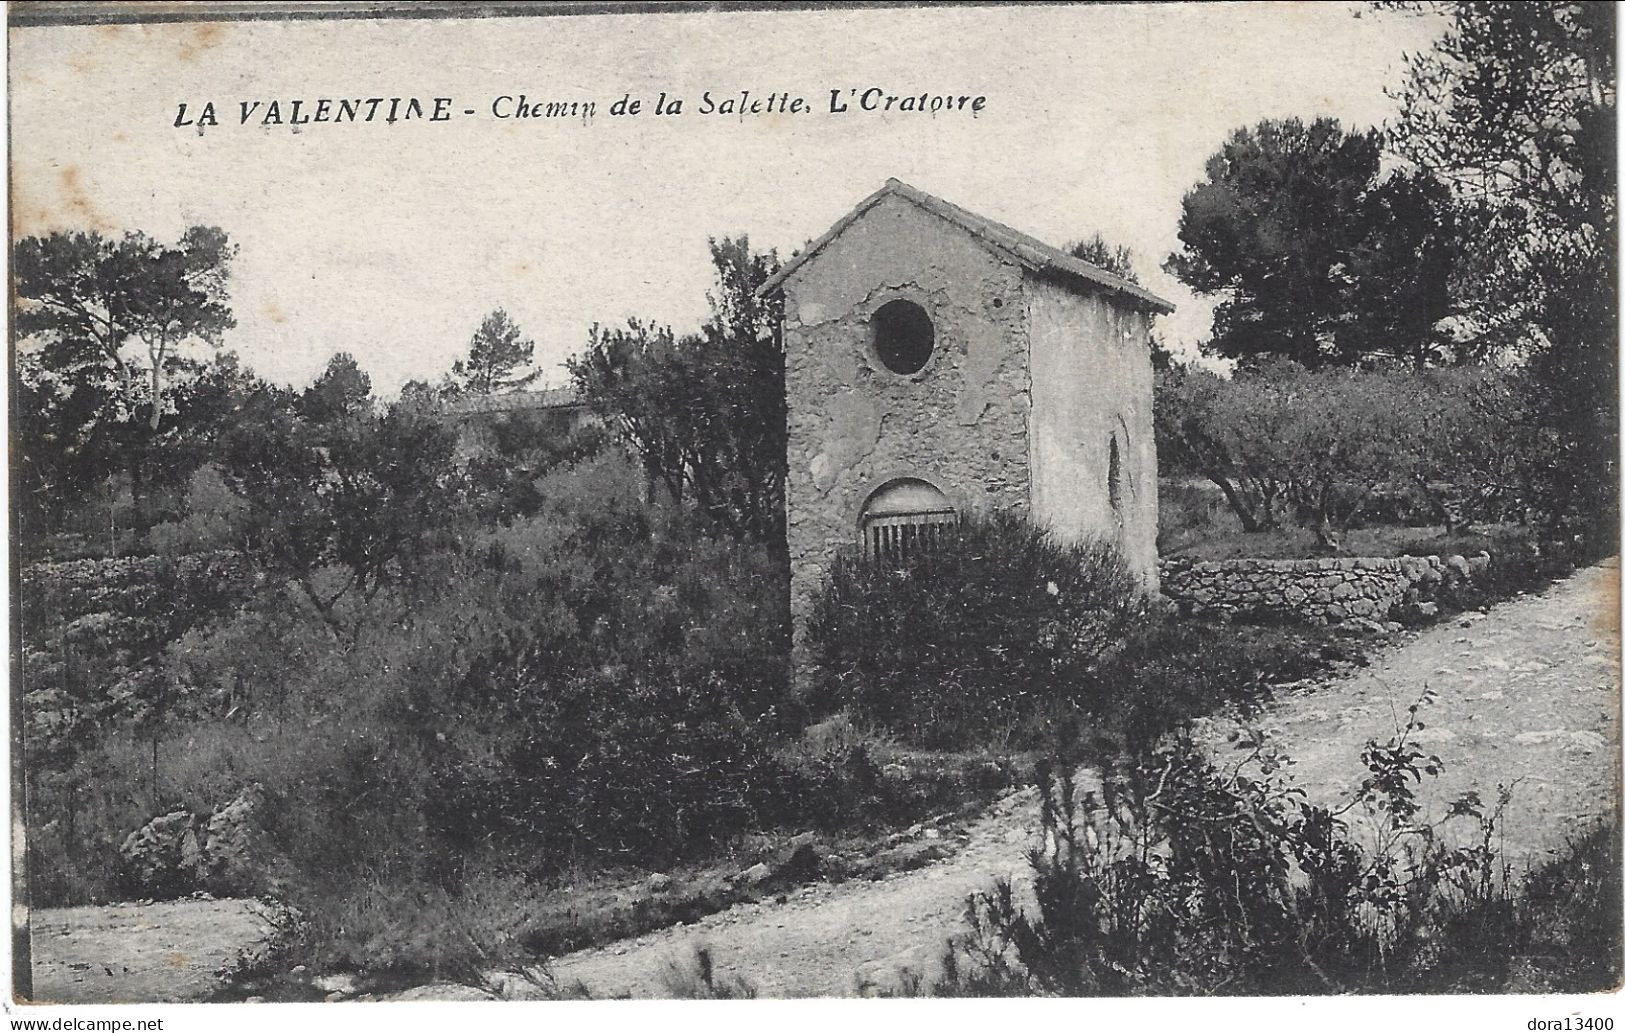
1323	591
1038	363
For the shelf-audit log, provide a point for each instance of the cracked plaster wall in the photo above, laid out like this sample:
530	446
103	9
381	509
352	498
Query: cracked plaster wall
960	423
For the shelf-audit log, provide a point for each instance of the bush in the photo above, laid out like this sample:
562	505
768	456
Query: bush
92	638
628	773
405	932
604	682
1169	671
844	774
557	700
652	592
699	981
837	761
1183	877
601	681
211	518
945	645
1516	565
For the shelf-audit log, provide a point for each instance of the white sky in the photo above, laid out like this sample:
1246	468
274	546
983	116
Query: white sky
393	241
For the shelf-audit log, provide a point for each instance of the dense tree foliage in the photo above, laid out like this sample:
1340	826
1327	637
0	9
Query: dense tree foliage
1314	255
1116	259
341	394
340	499
74	454
123	307
1516	107
1399	275
1321	446
705	412
105	380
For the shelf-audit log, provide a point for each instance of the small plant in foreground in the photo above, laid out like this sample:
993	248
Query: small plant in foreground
1186	877
699	981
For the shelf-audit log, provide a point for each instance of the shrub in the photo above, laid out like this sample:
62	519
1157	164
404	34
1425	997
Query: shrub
1572	906
1516	565
699	981
844	774
618	771
1183	877
836	759
92	637
652	592
1169	671
403	932
211	518
603	681
946	644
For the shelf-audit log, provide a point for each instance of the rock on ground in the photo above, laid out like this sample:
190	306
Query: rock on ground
1539	663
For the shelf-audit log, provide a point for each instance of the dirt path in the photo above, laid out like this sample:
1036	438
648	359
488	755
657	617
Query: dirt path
1526	694
826	940
167	951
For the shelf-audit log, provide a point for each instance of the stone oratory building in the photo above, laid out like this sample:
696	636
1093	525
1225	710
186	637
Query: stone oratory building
938	362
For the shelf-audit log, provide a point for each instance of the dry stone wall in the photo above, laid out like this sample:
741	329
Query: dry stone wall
1319	591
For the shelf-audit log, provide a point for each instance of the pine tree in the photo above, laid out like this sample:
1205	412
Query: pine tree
498	359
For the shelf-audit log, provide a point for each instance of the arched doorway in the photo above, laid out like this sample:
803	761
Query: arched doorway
902	516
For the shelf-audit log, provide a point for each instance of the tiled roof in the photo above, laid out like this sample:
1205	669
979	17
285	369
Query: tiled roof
1031	252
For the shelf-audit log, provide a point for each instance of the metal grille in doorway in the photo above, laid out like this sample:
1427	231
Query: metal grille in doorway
897	536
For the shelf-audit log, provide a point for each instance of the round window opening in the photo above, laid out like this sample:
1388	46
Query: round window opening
903	336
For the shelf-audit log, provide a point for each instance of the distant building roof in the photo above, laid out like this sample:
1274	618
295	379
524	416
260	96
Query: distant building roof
1030	252
516	401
